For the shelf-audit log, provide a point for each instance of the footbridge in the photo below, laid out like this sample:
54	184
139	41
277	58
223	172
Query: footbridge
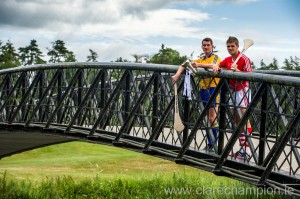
132	105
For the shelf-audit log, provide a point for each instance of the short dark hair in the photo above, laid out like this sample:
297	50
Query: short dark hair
232	39
208	39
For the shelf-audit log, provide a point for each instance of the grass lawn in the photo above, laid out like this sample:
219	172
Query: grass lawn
86	170
82	160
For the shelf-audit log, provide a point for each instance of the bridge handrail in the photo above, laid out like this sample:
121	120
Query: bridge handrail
288	78
105	65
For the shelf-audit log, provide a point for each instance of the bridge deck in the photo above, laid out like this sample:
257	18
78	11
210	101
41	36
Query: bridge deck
12	142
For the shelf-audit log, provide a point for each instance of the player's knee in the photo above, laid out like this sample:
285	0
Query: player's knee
211	120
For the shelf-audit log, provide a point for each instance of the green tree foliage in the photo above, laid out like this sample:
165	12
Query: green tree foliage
167	56
31	54
92	57
291	64
120	59
272	66
253	65
8	56
70	57
59	53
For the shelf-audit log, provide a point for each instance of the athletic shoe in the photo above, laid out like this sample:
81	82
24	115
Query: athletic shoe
241	155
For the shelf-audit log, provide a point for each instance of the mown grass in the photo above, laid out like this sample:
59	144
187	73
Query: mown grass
85	170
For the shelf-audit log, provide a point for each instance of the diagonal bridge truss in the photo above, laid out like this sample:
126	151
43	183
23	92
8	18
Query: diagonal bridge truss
132	105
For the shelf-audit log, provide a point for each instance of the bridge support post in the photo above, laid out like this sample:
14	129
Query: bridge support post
262	131
222	121
186	118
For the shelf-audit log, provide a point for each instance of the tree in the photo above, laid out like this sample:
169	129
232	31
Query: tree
253	65
292	64
92	57
120	59
59	53
167	56
31	54
8	56
272	66
70	57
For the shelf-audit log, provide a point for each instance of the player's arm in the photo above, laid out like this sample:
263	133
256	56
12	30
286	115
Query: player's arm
199	65
178	73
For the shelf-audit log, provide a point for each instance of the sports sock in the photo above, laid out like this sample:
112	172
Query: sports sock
215	130
249	134
242	139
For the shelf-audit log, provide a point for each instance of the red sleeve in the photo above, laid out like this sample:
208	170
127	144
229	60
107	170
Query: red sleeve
246	63
248	66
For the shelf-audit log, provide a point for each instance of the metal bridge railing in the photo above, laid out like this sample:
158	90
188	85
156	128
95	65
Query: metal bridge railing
133	104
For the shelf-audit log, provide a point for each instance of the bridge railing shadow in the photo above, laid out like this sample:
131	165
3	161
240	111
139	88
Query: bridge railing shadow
133	105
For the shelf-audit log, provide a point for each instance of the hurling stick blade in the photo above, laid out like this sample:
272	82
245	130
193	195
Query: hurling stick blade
247	44
187	64
178	125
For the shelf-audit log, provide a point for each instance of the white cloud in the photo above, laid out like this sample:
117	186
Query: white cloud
33	13
210	2
163	22
115	28
106	26
108	19
224	19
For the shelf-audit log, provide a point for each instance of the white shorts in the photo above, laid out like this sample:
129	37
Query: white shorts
242	97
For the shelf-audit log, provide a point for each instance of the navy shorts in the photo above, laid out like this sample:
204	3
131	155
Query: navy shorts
205	94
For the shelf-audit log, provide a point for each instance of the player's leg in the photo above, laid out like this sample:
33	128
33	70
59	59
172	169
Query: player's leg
212	116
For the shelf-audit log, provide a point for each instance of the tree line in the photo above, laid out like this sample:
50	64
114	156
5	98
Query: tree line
31	54
58	52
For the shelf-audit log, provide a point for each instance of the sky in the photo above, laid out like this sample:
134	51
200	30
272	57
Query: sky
121	28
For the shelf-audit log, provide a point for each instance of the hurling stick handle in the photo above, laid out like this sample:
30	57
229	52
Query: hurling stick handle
247	44
175	88
176	99
240	55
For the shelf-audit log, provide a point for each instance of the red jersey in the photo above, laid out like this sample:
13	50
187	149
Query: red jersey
244	65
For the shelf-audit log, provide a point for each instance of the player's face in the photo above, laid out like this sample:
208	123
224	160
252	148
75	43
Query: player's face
232	48
207	47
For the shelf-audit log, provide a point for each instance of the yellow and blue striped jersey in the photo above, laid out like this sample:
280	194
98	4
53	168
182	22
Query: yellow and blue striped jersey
209	81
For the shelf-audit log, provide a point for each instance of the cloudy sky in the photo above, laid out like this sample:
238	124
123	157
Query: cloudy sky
120	28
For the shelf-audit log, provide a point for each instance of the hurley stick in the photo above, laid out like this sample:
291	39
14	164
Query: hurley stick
178	125
187	65
247	44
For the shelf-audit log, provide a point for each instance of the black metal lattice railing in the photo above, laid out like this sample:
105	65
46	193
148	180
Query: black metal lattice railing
133	104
